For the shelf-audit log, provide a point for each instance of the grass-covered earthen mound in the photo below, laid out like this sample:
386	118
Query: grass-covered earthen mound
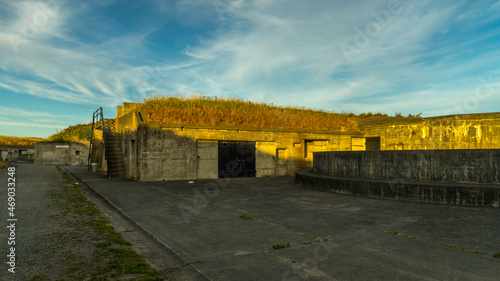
232	112
17	141
72	133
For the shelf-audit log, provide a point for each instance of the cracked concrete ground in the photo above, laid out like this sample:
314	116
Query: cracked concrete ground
274	229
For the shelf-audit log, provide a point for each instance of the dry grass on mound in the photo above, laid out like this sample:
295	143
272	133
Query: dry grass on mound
232	112
16	141
80	132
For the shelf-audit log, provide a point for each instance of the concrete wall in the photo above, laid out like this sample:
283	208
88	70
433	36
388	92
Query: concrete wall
173	152
14	153
164	155
464	165
98	151
467	177
466	131
74	153
466	194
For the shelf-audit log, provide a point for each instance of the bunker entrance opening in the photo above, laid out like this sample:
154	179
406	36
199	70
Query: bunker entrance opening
373	143
237	159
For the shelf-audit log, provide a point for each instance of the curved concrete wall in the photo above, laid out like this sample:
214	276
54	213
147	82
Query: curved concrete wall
462	165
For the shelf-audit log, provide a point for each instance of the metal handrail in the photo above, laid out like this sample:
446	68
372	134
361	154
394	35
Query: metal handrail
97	117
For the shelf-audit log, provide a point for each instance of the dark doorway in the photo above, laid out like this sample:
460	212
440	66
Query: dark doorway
237	159
373	143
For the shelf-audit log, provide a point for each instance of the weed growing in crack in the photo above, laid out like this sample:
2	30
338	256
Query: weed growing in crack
245	217
278	246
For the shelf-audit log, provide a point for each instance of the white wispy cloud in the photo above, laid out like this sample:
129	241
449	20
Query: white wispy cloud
289	50
30	125
285	52
9	111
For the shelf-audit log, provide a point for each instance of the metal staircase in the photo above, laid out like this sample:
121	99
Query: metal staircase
112	145
114	154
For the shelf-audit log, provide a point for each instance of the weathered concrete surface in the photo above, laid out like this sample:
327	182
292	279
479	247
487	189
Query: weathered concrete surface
17	153
73	153
463	131
439	244
461	177
466	194
460	165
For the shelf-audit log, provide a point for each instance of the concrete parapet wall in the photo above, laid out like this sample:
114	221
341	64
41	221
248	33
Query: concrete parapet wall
466	194
467	177
463	165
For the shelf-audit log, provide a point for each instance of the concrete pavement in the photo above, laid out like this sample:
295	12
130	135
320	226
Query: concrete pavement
226	229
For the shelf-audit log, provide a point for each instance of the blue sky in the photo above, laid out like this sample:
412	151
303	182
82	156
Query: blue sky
60	60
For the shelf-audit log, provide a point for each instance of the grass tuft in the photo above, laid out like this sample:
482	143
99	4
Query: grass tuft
245	217
278	246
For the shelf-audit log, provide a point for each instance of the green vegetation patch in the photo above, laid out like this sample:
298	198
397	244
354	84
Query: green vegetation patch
442	244
278	246
246	217
111	257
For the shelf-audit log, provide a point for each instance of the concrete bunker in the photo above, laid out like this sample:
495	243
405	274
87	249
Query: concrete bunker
154	151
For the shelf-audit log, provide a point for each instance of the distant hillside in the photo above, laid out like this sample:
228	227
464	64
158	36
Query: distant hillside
16	141
72	133
232	112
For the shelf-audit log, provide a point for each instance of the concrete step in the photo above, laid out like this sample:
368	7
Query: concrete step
115	157
116	165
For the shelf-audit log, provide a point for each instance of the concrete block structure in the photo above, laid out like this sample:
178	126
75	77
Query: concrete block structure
173	152
74	153
17	153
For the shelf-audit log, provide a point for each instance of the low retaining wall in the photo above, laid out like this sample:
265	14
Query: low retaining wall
461	165
478	195
458	177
